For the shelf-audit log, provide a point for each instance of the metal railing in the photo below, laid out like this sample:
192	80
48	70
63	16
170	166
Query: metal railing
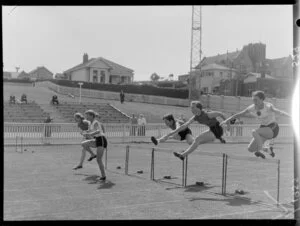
68	133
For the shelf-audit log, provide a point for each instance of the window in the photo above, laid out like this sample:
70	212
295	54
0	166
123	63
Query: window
102	78
221	74
95	76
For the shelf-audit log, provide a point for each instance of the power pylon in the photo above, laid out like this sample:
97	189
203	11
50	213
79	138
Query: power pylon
196	39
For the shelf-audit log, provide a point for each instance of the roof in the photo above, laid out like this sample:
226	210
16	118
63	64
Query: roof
110	65
219	58
34	70
215	67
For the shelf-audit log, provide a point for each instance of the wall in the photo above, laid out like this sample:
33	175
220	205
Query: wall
79	75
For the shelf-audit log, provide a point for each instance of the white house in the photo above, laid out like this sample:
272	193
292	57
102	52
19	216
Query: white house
99	70
211	75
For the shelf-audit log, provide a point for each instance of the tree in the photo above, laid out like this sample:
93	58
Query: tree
154	77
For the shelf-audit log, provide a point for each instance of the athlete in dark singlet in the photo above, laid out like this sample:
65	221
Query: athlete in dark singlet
207	118
172	123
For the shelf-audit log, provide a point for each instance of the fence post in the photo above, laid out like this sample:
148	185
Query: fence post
123	138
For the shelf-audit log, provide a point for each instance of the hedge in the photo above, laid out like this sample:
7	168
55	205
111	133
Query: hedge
128	88
16	80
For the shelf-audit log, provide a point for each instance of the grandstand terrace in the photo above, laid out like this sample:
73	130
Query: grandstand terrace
108	114
28	113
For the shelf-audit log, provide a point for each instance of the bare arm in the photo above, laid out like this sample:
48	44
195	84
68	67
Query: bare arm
214	114
277	111
96	131
237	115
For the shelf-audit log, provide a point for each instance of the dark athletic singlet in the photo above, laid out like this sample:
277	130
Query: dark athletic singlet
212	123
204	119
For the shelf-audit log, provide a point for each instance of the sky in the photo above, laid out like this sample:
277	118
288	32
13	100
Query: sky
146	39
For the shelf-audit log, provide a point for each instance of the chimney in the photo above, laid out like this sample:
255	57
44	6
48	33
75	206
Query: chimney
85	58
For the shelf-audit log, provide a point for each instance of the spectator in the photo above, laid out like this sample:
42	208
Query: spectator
142	125
122	96
134	123
12	99
54	100
47	131
24	98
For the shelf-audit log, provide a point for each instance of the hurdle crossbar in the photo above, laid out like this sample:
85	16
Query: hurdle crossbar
255	159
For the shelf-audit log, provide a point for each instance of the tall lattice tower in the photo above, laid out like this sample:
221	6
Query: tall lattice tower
196	38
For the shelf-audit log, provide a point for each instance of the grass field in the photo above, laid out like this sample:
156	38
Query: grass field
41	185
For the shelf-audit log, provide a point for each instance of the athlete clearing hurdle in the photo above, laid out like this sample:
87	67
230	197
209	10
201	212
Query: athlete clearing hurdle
201	116
172	123
265	114
83	125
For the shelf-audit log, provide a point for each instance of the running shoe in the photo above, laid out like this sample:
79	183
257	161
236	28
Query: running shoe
178	155
102	178
259	154
92	157
222	141
154	141
270	151
77	167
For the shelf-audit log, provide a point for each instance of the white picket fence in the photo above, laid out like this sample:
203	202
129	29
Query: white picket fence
68	133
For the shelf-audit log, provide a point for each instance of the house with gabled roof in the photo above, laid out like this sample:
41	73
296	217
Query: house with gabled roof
100	70
40	73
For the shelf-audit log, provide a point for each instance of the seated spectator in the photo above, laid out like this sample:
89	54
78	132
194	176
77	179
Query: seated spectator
24	98
12	99
54	100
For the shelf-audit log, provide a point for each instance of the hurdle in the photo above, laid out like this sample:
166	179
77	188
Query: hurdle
184	165
21	143
126	159
224	169
254	159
